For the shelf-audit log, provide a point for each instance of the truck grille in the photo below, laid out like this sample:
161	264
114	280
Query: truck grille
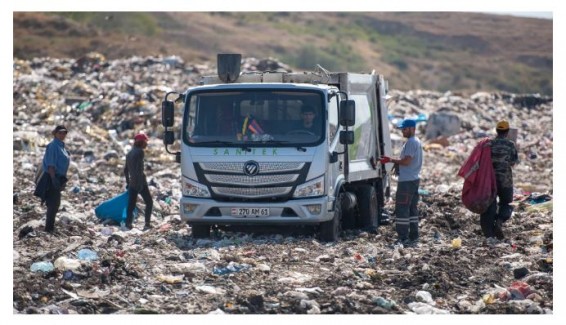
238	167
274	181
252	192
256	180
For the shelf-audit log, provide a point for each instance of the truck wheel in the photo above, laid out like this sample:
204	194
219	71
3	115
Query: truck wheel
330	230
368	207
201	231
348	215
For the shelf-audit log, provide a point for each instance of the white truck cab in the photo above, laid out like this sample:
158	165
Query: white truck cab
278	148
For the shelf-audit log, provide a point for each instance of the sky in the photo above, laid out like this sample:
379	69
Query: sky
547	9
531	14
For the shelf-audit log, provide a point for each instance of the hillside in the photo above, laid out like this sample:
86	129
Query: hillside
429	50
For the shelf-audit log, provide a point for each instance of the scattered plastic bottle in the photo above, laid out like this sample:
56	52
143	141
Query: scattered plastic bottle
123	226
86	254
42	267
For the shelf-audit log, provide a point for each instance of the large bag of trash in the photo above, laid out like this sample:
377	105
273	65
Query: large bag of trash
114	208
480	187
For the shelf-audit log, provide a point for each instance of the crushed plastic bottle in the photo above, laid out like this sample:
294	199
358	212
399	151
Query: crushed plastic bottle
42	267
86	254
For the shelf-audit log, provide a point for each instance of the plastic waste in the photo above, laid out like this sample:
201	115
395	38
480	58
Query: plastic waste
114	208
231	268
171	279
421	118
63	263
384	303
42	267
86	254
424	296
423	192
106	231
68	275
457	243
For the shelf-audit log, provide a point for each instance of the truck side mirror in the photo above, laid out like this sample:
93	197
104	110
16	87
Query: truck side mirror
347	112
168	137
167	113
347	137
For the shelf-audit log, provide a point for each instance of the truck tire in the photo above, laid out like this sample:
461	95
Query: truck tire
330	230
368	207
200	231
349	214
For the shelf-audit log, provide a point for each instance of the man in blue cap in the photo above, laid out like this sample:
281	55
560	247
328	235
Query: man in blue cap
410	162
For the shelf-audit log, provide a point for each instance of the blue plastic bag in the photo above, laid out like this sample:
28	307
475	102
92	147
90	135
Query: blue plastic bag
115	208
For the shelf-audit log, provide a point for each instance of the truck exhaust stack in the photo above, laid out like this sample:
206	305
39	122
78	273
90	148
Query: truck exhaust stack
228	67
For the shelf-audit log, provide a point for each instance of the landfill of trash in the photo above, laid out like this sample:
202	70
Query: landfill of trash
89	266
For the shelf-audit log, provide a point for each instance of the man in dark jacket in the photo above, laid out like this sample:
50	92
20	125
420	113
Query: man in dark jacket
503	156
55	165
136	181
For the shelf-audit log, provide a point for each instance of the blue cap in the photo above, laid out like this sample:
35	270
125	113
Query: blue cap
408	123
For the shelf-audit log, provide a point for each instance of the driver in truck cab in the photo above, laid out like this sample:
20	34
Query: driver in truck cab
309	122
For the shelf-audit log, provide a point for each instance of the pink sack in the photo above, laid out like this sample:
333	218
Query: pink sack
480	187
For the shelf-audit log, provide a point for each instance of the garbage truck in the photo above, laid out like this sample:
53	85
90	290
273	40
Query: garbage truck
281	148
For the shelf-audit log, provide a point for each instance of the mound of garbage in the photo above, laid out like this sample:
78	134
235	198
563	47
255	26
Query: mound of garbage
93	267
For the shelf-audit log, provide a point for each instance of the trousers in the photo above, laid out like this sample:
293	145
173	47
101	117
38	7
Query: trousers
488	218
53	201
132	200
406	212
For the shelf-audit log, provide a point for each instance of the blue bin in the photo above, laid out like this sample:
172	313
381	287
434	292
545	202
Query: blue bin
114	208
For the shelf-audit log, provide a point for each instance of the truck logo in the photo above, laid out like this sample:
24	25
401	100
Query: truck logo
251	168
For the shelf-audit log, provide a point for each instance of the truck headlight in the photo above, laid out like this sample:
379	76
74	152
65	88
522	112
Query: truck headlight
311	188
194	189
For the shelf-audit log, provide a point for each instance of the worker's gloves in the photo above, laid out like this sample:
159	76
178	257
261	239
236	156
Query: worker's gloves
384	160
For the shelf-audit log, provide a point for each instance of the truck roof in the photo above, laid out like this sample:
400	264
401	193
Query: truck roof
270	85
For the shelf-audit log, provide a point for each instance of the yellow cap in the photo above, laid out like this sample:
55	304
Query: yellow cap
502	125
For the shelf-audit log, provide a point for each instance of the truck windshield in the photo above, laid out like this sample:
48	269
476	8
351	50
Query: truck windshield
254	118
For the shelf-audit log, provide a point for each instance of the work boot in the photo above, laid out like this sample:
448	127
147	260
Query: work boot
402	242
147	226
498	229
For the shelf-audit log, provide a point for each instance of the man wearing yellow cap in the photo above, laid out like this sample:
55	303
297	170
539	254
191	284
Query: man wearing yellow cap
503	156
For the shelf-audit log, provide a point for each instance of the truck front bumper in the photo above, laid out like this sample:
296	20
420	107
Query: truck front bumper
301	211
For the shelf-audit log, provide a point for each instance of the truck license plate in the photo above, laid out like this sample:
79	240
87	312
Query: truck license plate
250	212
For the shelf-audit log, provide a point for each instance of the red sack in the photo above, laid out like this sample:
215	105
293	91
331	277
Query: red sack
480	188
